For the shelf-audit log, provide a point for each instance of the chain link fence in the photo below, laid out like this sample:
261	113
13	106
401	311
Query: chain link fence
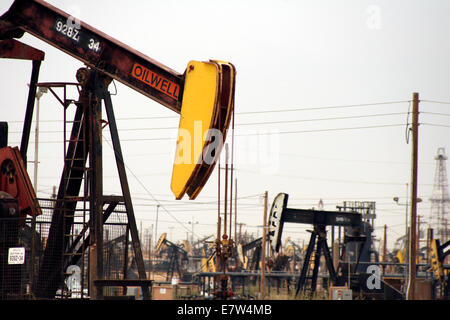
24	241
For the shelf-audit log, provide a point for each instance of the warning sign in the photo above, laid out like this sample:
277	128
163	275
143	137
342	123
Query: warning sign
16	255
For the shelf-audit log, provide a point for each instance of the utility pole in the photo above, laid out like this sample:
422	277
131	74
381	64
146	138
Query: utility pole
226	192
429	239
219	219
192	232
156	225
263	251
414	156
40	92
385	243
235	210
407	239
239	238
418	235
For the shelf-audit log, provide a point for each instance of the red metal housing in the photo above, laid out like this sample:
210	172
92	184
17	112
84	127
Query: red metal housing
15	181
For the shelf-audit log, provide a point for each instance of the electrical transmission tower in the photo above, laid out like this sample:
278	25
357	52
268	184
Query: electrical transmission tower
440	199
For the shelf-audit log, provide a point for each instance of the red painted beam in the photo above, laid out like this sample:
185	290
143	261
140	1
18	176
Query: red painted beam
14	49
97	50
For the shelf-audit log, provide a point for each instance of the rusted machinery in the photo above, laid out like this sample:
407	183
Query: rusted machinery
106	59
280	214
254	262
355	239
17	200
177	257
438	253
14	180
10	274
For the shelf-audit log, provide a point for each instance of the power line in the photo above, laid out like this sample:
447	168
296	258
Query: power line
148	192
182	203
256	133
326	107
323	119
286	110
273	110
258	123
290	176
436	113
350	160
435	125
435	101
198	209
323	130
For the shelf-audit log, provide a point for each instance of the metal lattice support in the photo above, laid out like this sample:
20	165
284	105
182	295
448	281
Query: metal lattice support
116	253
440	199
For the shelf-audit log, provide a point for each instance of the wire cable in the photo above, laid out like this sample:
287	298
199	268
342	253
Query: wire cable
258	123
273	110
324	130
151	195
436	113
322	119
435	125
434	101
327	107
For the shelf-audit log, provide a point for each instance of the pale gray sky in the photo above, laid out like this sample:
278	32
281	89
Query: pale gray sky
288	55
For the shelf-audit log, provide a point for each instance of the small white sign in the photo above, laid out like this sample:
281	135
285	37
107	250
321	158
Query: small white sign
342	294
16	255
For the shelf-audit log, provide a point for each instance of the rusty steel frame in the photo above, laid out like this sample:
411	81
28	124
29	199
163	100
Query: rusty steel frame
87	125
120	62
108	59
13	49
50	271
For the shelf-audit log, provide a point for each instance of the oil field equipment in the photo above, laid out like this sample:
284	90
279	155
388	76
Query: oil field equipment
438	253
254	262
280	214
354	240
177	256
204	92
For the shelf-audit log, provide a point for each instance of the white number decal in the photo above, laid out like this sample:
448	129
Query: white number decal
74	32
59	26
75	35
70	32
94	45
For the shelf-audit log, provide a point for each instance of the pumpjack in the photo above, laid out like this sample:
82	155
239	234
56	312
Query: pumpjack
254	262
177	257
355	240
106	59
438	253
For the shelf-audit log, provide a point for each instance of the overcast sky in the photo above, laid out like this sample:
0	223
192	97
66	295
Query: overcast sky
289	56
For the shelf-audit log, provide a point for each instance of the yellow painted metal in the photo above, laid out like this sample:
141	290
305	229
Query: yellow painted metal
208	264
401	254
207	105
160	242
436	264
199	99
